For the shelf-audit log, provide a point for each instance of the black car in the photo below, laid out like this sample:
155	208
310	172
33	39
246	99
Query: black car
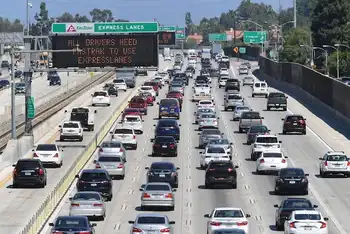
254	131
139	72
164	145
112	90
51	73
4	83
183	76
55	80
190	69
163	172
29	172
5	64
276	100
294	123
287	207
203	79
72	224
292	180
214	72
221	173
167	127
18	74
97	180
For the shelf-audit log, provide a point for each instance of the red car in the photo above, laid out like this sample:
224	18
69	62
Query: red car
176	94
159	83
154	85
131	111
140	103
148	96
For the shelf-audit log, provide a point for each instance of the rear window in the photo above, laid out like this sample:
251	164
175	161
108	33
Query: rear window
109	159
46	147
294	118
149	84
146	88
151	220
281	95
250	115
87	196
228	214
100	94
111	144
80	110
93	176
27	164
157	187
176	85
221	166
132	119
70	125
234	97
291	173
166	124
258	128
165	140
118	81
307	217
205	103
205	110
272	155
168	102
208	116
266	140
297	204
70	223
219	142
162	166
211	132
137	100
123	131
338	158
216	150
241	108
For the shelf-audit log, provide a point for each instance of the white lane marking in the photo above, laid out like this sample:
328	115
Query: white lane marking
117	226
131	191
124	206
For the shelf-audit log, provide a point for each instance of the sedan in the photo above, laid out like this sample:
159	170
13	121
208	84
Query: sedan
77	224
112	148
165	172
208	134
306	221
101	98
164	145
237	112
248	80
224	143
208	121
114	165
254	131
90	204
206	104
200	112
48	154
212	153
271	161
292	180
152	222
158	195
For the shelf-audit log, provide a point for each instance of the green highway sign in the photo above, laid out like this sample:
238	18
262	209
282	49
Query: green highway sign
30	108
167	28
180	33
254	37
217	37
242	50
113	27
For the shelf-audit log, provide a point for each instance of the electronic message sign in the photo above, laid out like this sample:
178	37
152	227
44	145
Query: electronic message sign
166	38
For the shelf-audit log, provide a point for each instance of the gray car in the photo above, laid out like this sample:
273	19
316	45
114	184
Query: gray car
248	119
157	194
74	224
233	100
112	148
177	87
129	79
208	120
224	143
200	111
208	134
151	223
114	165
89	204
248	80
237	112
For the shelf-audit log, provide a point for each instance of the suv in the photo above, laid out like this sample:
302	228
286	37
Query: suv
5	64
97	180
232	84
29	172
233	100
277	100
219	173
294	123
71	130
55	80
263	143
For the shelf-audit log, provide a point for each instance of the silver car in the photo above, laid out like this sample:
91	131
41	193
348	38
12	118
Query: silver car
208	120
152	223
208	134
177	87
201	111
112	148
156	194
248	80
233	100
238	112
224	143
90	204
114	165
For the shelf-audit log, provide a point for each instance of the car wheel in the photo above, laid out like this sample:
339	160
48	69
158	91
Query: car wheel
306	192
234	186
92	104
257	172
125	90
207	186
108	104
226	109
110	197
278	227
268	108
240	130
61	138
42	185
142	208
253	95
81	139
284	132
322	174
304	132
122	177
14	185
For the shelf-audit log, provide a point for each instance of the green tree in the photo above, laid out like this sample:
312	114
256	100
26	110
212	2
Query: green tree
344	64
190	44
99	15
10	26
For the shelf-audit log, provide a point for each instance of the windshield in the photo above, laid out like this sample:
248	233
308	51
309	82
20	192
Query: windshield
118	81
228	214
123	131
205	111
251	115
132	119
151	220
266	140
258	129
111	144
219	142
242	108
110	159
292	173
137	100
208	116
87	196
165	140
272	155
70	125
20	85
46	147
298	204
157	187
211	132
307	217
216	150
168	102
177	85
162	166
104	94
146	88
234	97
93	176
70	222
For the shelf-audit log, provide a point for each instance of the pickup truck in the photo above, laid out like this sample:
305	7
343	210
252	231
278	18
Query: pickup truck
277	100
248	119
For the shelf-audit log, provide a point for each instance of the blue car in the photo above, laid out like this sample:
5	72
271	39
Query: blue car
169	107
167	127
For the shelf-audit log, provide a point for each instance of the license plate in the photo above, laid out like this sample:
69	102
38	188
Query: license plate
307	228
292	182
295	124
110	166
220	178
93	185
272	166
164	146
151	232
336	165
161	175
27	173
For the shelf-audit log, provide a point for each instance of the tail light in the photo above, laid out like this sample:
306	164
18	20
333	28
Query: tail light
136	230
302	122
348	163
215	223
172	145
262	161
326	163
56	155
261	121
323	225
284	161
156	145
14	172
211	169
84	232
97	166
146	195
121	150
74	204
120	166
97	204
292	225
230	169
35	155
169	195
101	150
134	137
165	230
41	172
244	223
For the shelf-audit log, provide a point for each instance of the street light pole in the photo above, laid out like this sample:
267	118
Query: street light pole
338	46
13	98
326	57
295	13
337	51
27	16
311	54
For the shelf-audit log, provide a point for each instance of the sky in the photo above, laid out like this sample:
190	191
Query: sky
167	12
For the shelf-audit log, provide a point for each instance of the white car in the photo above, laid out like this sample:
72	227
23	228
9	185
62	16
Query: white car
206	104
271	161
126	135
48	154
167	58
159	78
306	221
223	80
227	217
148	89
243	70
134	122
101	98
224	72
208	120
164	75
333	163
260	88
263	143
192	63
202	88
218	57
213	153
71	130
225	59
120	84
248	80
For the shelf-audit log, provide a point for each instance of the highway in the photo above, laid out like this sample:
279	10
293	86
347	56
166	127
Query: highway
254	193
22	203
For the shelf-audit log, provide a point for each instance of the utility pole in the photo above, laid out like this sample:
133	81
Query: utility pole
295	13
13	98
28	129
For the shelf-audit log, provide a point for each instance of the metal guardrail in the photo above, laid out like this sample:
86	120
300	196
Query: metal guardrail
48	109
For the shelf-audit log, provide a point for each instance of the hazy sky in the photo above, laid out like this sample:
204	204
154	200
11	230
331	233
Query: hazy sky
167	12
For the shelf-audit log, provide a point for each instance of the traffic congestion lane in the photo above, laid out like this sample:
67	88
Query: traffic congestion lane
22	203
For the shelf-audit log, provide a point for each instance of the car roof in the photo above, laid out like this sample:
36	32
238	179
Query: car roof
306	212
335	153
167	121
151	215
296	199
28	160
167	137
93	170
162	163
292	168
158	183
227	208
72	216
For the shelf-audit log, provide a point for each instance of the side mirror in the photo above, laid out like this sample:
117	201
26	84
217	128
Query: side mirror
218	118
179	125
152	140
285	156
154	125
326	219
206	216
111	132
131	222
247	215
95	161
199	133
157	103
315	206
320	158
143	120
282	119
92	95
262	118
77	176
65	111
60	126
70	198
236	167
307	174
141	189
304	119
178	168
93	225
33	150
222	133
231	143
147	168
51	224
13	165
174	190
276	206
280	142
172	222
200	152
95	111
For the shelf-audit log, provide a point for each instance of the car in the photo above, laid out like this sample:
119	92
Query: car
135	122
200	111
112	148
294	123
84	115
120	84
176	94
157	194
197	97
5	64
243	70
306	221
165	76
54	80
287	206
164	145
237	112
334	163
169	107
159	80
165	172
225	59
222	80
148	89
271	161
232	84
80	224
254	131
177	87
148	97
167	127
183	77
291	180
263	143
101	98
223	142
276	100
227	218
139	102
213	153
248	80
71	130
20	88
97	180
49	154
260	88
156	222
114	165
233	100
111	89
154	85
206	104
247	64
201	88
90	204
208	134
29	172
126	135
248	119
224	71
4	84
129	79
141	71
130	111
208	120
